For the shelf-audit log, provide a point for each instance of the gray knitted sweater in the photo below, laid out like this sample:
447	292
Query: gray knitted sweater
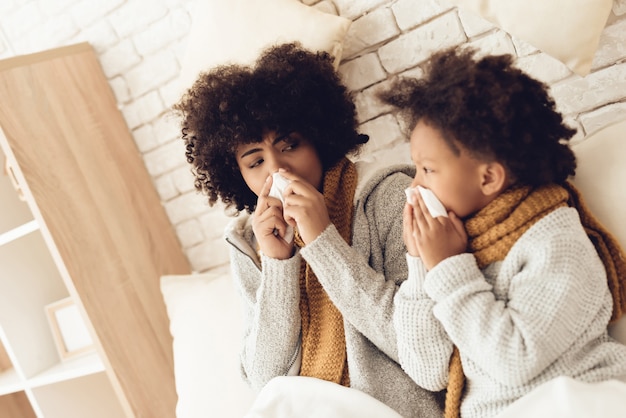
540	313
361	280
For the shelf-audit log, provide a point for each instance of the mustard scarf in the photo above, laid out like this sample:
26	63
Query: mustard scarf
493	231
323	337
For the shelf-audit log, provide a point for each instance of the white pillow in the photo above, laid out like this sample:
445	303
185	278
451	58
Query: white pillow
568	30
600	177
206	325
236	31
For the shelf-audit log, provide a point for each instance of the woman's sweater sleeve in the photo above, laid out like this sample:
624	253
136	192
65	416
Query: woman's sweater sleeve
364	294
271	316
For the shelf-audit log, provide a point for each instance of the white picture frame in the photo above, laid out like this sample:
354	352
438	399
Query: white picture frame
70	333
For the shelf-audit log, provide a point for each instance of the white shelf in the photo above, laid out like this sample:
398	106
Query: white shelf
83	365
10	382
18	232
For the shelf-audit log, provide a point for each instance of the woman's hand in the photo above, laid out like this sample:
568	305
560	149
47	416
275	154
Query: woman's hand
305	208
432	239
269	225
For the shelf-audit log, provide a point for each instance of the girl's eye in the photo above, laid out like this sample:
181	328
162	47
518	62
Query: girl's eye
427	170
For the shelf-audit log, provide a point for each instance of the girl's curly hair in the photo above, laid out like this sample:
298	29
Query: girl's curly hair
288	89
492	109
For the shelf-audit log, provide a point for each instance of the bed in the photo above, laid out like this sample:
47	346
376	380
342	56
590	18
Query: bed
205	320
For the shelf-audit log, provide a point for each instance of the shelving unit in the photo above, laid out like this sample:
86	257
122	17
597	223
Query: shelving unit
80	218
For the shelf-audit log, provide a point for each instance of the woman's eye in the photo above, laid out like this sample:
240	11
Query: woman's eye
256	163
290	146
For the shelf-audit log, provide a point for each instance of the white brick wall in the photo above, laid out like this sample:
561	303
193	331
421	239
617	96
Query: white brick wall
141	43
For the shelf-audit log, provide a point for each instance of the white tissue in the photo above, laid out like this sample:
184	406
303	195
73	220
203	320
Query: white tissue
435	207
278	187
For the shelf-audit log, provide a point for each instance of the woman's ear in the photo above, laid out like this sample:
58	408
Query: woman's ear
494	178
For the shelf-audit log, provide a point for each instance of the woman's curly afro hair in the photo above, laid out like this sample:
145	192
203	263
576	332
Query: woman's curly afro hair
493	110
288	89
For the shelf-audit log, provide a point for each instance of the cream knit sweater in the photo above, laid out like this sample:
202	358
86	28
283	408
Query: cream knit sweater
540	313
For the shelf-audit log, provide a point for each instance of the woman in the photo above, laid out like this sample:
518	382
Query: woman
320	304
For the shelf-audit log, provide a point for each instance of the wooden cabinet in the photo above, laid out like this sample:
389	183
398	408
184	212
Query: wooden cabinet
90	227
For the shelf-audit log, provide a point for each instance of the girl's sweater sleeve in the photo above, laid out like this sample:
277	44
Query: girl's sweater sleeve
556	288
270	302
424	348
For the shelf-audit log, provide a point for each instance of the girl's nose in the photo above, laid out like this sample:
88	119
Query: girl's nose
416	181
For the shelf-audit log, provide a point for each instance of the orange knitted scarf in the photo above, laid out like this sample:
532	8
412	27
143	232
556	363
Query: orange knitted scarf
323	337
493	231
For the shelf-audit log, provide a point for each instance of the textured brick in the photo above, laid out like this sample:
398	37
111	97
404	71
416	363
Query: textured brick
120	89
371	29
353	9
208	256
22	20
52	8
143	110
362	72
187	206
410	13
415	46
214	222
165	187
87	12
100	35
119	59
152	72
170	27
595	120
135	15
189	233
382	131
522	47
496	43
167	129
172	91
577	95
326	6
182	177
612	45
368	106
543	67
164	158
55	32
473	24
145	138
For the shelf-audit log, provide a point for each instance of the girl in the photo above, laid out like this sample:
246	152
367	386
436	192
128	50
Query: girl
510	279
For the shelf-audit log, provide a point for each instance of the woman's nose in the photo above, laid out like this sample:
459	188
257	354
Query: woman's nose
273	162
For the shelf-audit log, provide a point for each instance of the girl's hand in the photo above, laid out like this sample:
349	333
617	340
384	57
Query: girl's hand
305	208
434	238
269	225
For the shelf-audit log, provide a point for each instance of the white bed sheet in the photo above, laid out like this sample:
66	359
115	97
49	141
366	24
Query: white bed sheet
308	397
565	397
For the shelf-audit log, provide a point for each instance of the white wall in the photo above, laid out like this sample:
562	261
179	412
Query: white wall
141	44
